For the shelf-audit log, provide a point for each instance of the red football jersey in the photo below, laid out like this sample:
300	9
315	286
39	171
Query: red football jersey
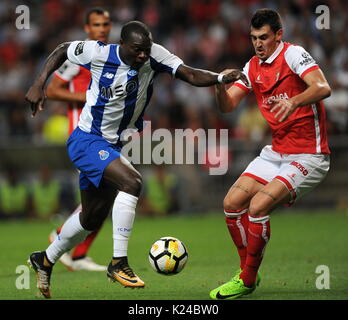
281	76
78	78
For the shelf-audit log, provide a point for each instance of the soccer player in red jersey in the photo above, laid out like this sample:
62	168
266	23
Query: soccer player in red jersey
70	83
289	88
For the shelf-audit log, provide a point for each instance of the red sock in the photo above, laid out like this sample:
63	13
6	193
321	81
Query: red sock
237	224
82	248
258	235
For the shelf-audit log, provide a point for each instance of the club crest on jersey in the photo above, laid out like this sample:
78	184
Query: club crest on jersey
132	73
103	154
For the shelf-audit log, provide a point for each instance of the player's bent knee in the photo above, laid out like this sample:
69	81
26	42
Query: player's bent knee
133	186
257	210
231	204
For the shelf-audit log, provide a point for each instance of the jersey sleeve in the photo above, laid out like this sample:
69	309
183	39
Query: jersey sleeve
240	83
82	52
299	60
162	60
67	71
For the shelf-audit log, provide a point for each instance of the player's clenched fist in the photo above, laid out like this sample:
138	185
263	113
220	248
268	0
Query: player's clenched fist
36	97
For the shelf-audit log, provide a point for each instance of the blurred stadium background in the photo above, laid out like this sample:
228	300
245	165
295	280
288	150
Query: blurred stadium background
209	34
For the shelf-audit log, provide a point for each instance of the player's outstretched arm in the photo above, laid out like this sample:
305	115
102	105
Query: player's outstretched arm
36	95
205	78
228	99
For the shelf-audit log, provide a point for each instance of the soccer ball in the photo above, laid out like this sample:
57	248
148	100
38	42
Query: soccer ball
168	255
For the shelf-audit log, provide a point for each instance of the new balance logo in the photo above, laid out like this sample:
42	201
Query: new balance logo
108	75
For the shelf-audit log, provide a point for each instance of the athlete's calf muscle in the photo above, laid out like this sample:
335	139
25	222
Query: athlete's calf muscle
96	205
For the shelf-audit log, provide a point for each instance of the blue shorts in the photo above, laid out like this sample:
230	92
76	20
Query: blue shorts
91	154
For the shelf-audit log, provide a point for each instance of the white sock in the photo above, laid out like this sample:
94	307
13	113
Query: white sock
72	233
123	214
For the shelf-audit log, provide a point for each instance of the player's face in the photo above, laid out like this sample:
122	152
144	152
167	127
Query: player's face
265	41
99	27
136	51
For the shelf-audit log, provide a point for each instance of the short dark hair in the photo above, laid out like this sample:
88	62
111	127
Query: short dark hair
266	16
136	27
97	10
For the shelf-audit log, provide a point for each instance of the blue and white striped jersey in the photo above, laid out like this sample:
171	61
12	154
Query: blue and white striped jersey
117	95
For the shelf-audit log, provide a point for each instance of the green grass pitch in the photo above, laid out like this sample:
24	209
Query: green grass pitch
300	242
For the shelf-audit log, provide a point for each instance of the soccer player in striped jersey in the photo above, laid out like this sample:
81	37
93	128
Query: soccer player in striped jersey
120	90
289	88
70	83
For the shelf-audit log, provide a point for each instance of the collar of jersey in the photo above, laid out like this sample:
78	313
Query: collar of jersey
275	54
118	55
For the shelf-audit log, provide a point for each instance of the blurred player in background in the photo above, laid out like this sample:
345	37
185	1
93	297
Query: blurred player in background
120	90
70	83
289	88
